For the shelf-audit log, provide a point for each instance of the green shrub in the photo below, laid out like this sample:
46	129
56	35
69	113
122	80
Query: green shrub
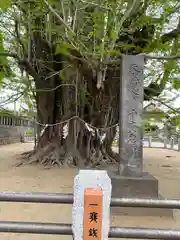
29	131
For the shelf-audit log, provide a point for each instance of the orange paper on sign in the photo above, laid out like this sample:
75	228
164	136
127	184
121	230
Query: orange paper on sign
93	200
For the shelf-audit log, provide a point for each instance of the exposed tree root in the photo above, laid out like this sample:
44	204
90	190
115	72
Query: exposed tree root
24	157
54	156
28	153
83	149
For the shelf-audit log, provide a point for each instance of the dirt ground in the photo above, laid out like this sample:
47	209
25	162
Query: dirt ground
163	164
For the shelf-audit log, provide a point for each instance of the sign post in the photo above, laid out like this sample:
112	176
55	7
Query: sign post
91	207
93	201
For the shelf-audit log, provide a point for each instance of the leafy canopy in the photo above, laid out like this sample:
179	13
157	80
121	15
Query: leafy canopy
98	31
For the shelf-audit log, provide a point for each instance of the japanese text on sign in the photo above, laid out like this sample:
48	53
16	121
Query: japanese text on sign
92	213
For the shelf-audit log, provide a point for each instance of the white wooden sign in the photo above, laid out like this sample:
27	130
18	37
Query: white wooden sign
86	179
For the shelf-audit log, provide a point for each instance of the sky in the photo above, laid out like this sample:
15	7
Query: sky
4	95
177	103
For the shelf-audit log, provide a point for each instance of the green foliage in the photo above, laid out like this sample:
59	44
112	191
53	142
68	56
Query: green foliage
29	131
156	114
3	61
5	4
176	83
9	113
1	43
150	128
100	31
63	48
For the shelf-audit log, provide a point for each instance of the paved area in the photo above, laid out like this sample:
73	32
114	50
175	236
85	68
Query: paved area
163	164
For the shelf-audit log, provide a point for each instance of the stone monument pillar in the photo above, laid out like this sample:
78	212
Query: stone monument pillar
130	180
131	108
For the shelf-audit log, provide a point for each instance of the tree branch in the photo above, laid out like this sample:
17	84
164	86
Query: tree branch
30	69
11	99
67	27
58	16
147	56
172	34
167	105
174	57
9	54
18	36
23	62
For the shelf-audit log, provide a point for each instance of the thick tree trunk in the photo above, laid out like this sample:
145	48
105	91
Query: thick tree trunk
96	107
81	145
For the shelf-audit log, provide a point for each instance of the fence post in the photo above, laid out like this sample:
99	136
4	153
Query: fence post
92	191
149	141
172	142
4	120
35	132
178	144
165	142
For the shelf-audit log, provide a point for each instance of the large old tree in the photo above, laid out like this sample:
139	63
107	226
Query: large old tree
68	54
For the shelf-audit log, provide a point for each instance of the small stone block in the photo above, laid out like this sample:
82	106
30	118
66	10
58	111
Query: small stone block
145	186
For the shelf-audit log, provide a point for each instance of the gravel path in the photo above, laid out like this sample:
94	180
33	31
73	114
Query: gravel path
163	164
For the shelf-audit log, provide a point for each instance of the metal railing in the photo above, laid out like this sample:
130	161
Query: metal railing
66	229
28	137
154	141
173	143
58	198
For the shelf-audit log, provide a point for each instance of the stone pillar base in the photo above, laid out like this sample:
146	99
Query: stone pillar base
145	186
